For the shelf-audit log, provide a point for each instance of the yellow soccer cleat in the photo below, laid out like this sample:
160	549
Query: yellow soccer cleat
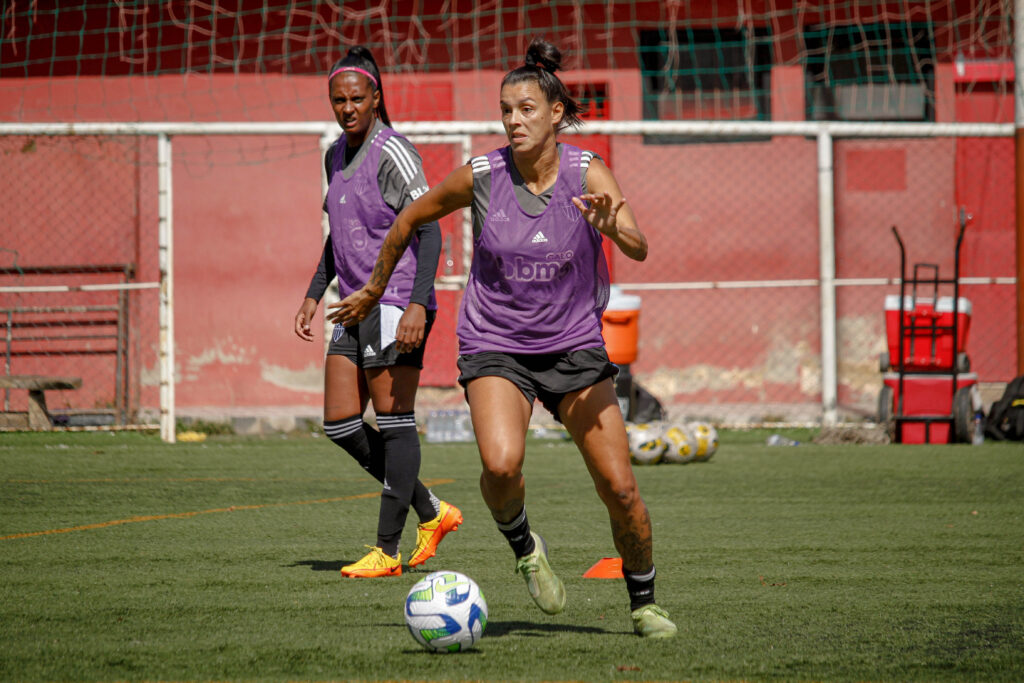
429	534
376	563
545	587
650	621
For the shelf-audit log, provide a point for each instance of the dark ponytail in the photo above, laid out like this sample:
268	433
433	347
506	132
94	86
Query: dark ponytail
542	61
360	60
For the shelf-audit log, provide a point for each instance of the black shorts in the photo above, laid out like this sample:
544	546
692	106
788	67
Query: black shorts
547	376
371	343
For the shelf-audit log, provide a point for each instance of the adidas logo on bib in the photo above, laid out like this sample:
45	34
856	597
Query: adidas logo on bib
368	351
539	237
342	200
500	215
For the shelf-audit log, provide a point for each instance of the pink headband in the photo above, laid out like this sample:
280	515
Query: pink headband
357	70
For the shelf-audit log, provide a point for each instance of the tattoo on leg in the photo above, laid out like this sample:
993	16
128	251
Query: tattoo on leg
633	540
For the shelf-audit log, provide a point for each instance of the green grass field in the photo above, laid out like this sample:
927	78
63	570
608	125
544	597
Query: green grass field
125	559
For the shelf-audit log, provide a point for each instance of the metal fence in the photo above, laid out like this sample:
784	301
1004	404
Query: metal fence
763	297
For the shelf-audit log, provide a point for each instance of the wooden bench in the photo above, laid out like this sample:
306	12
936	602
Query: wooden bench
48	321
38	415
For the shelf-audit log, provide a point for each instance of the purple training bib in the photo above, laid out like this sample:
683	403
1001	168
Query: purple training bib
359	220
538	283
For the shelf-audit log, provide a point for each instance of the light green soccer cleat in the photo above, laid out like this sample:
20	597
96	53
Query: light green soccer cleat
650	621
545	588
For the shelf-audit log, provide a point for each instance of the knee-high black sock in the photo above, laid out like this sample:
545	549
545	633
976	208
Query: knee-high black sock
366	446
641	587
351	434
517	533
402	467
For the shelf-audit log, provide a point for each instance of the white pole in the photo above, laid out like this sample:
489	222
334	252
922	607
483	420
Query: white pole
827	269
725	129
325	224
467	215
166	249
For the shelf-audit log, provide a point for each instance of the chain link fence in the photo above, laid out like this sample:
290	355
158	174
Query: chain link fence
78	268
731	323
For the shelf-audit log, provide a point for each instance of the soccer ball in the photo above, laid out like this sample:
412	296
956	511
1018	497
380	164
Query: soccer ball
646	444
446	612
681	444
706	441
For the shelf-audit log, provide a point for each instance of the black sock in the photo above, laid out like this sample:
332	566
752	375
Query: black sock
517	533
353	435
641	588
366	446
402	466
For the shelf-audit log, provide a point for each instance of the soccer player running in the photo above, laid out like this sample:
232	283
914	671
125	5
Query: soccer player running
530	322
373	173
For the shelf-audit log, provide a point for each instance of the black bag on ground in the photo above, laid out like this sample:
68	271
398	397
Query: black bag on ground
645	407
1005	421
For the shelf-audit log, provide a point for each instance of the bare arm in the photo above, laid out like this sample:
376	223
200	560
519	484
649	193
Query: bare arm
453	193
609	213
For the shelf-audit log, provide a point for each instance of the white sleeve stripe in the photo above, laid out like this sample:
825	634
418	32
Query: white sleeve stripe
402	158
400	163
403	152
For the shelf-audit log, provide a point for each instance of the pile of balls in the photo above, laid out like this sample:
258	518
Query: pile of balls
677	442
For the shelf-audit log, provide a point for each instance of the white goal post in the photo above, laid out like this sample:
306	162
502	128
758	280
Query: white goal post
825	133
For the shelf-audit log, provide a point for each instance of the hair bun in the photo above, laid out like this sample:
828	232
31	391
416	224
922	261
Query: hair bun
543	55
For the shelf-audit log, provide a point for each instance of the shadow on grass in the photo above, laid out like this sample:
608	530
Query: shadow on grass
321	565
497	629
336	565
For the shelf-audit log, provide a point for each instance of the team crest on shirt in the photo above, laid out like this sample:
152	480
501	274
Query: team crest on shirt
570	211
357	233
339	332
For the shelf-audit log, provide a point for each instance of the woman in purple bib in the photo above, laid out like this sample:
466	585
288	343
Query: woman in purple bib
373	173
530	322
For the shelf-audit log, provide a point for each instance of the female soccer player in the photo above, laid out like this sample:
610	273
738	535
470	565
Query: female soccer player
373	174
530	323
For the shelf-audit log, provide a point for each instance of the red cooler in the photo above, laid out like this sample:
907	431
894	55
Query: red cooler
927	331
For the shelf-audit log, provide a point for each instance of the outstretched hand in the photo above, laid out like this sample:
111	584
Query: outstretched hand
601	213
352	309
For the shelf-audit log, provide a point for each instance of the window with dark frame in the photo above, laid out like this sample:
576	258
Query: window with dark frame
869	72
702	74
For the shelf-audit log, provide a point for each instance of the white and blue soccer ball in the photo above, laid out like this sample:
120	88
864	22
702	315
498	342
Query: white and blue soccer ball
646	442
680	444
446	612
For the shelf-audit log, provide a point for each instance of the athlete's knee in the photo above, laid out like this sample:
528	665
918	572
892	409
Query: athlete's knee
502	464
620	495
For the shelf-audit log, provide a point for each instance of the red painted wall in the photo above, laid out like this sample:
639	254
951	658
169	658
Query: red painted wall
247	227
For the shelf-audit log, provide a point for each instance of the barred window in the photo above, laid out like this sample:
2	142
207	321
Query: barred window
870	72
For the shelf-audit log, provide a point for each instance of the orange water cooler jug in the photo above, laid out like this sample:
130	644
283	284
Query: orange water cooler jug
620	328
